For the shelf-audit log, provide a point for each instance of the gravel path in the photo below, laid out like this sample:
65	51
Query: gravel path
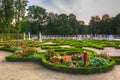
110	50
35	71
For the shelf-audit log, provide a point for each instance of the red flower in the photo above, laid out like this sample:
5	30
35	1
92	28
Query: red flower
54	59
67	57
84	58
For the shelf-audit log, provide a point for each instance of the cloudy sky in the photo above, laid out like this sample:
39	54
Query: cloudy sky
83	9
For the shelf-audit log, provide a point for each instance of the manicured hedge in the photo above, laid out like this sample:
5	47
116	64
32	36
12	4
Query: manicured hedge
116	58
22	59
7	49
1	43
81	70
11	36
66	49
50	47
117	47
99	44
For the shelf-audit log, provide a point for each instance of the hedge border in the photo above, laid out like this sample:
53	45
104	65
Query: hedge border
78	70
22	59
7	49
116	58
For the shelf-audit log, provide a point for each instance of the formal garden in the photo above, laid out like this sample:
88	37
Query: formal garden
40	41
67	56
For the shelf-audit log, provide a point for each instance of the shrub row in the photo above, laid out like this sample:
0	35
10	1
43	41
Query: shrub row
1	43
7	49
81	70
98	44
116	58
22	59
11	36
50	47
66	49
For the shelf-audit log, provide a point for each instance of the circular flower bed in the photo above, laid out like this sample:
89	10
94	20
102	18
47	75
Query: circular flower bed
78	62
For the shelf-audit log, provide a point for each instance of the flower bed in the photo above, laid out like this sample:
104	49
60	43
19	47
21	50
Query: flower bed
78	62
82	70
25	54
72	60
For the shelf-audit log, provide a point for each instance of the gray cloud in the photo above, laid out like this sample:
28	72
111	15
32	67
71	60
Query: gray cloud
83	9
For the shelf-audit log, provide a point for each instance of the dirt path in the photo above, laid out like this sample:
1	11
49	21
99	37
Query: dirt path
35	71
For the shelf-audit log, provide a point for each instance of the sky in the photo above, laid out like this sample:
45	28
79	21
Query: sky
83	9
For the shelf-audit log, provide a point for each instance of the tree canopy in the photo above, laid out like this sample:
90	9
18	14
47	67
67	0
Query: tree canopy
17	17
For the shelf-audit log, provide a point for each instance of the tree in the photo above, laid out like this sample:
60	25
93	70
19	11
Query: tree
1	16
73	24
94	25
37	15
51	20
61	25
105	17
20	11
7	15
115	24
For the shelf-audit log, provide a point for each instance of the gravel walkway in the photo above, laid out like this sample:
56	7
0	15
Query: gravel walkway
110	50
35	71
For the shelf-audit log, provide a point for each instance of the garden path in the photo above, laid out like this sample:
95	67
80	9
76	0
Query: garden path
110	50
35	71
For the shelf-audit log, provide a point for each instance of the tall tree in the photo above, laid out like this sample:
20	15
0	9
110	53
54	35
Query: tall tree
8	15
20	11
115	24
73	24
1	16
37	15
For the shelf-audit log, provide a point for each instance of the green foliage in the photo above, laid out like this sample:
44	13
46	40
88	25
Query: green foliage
12	10
15	59
98	44
30	55
95	64
81	70
116	58
36	17
50	54
98	61
80	64
77	57
10	36
66	49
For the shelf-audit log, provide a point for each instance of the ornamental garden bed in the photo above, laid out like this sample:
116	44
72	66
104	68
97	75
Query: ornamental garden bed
25	54
71	60
78	62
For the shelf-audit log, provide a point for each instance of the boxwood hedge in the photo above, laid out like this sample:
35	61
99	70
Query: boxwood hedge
116	58
22	59
81	70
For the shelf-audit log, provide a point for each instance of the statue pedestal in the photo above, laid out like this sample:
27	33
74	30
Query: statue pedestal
29	36
40	37
110	37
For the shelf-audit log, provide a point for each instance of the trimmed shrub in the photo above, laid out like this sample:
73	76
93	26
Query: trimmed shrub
82	70
116	58
14	59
